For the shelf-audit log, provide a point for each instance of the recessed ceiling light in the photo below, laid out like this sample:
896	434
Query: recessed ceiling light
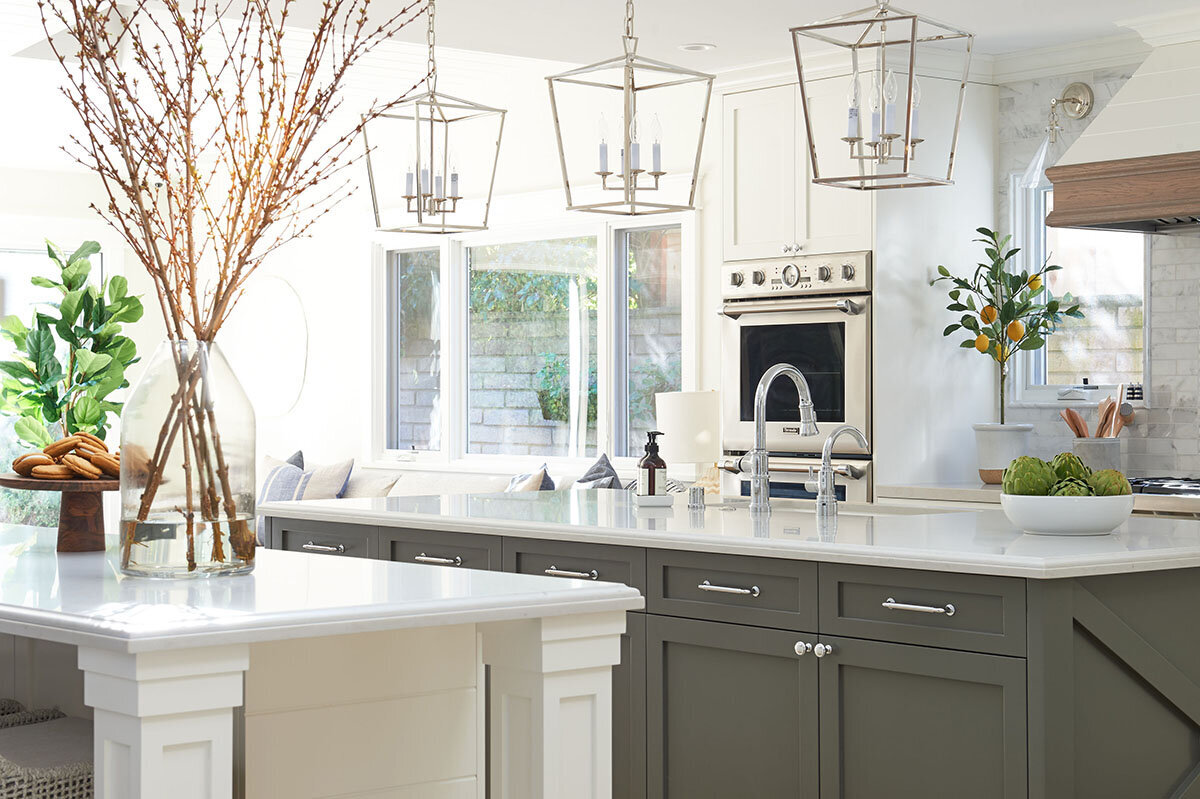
697	47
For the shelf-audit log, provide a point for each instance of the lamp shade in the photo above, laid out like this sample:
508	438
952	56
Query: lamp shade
690	422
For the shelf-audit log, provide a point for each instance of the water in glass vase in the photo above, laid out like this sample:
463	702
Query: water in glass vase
187	467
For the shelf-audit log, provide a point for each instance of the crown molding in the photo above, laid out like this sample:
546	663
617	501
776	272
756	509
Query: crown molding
1042	62
1173	27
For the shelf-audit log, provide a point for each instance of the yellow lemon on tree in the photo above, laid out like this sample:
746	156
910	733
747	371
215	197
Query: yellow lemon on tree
982	342
1015	330
1035	283
988	314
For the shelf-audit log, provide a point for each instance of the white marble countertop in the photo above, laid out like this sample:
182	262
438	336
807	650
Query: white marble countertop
82	598
979	542
990	494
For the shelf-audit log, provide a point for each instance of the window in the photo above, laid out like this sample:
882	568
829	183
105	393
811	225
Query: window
1106	271
566	337
414	350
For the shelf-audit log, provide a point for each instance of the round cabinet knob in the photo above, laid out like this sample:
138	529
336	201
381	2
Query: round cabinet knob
824	273
791	275
736	278
803	648
759	277
847	271
821	650
797	247
786	248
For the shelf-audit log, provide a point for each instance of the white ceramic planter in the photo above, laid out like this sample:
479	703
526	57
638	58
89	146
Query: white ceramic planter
997	445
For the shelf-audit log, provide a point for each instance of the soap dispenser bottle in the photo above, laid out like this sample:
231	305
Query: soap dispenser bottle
652	469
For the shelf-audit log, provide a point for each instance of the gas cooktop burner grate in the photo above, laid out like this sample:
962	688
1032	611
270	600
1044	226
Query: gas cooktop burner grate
1166	485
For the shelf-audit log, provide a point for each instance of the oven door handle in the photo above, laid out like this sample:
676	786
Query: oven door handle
841	470
736	309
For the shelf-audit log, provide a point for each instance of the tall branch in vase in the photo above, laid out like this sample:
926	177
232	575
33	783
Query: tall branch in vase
210	141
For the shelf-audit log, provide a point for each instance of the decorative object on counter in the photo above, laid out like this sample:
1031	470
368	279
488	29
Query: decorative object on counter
1064	497
201	209
1004	312
585	94
885	44
1076	102
652	471
1099	453
691	425
420	145
85	325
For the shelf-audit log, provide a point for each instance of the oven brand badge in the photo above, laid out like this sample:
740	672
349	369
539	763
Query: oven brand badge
793	430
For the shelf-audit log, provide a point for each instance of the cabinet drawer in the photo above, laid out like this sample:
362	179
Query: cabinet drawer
583	561
299	535
764	592
973	612
436	548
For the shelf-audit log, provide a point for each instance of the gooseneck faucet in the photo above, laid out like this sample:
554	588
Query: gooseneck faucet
755	461
827	504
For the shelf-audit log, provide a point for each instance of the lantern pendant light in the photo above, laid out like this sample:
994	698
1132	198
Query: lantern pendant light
889	44
631	172
413	168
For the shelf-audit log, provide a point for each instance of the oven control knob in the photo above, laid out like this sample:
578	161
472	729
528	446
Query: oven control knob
759	277
824	273
847	271
736	278
791	275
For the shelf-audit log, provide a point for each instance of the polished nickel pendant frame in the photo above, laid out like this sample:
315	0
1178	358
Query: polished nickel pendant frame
855	29
638	74
432	114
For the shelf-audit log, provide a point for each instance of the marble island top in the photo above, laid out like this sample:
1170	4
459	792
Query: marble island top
978	542
82	598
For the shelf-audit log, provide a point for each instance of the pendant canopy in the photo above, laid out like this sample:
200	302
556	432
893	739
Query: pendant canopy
431	160
896	129
621	123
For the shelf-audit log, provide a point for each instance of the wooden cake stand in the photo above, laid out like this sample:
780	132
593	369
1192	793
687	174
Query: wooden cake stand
81	515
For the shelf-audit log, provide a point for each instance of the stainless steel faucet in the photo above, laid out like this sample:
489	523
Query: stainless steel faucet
754	462
826	494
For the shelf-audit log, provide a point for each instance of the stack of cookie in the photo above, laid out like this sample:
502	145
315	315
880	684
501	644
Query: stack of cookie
80	455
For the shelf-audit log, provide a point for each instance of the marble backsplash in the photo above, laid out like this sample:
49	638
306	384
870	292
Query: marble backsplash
1165	438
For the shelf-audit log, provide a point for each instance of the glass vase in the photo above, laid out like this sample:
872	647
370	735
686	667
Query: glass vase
187	467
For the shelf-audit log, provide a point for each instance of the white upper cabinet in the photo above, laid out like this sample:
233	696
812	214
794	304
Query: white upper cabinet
838	220
763	208
771	208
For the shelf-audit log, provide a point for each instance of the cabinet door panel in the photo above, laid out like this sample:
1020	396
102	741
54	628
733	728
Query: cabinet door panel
324	538
759	168
437	548
835	219
629	712
913	722
732	711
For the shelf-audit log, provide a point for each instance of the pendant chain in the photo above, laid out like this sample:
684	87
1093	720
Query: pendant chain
629	17
431	38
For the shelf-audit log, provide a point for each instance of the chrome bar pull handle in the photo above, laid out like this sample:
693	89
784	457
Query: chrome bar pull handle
728	589
423	558
892	604
821	650
803	648
313	546
554	571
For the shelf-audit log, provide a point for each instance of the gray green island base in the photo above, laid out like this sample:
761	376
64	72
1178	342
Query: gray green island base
1083	686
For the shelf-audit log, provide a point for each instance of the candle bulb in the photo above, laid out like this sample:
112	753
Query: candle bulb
916	108
408	181
424	180
635	148
437	187
889	103
602	131
874	100
454	181
853	129
656	144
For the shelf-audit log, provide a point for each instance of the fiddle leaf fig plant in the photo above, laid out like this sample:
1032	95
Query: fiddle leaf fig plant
72	355
1004	311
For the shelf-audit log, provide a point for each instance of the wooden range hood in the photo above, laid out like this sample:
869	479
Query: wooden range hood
1152	194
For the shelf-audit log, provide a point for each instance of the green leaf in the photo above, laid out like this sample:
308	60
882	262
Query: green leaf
956	306
88	412
118	287
88	248
943	271
19	370
127	309
32	432
968	344
40	345
76	274
69	307
950	329
55	254
1033	343
44	282
89	364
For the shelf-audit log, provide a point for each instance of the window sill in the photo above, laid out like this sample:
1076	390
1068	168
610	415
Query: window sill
1074	403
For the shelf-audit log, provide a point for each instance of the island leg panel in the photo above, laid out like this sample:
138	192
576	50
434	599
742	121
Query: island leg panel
551	705
164	720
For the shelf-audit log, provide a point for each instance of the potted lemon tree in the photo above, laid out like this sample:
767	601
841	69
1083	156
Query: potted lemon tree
1003	311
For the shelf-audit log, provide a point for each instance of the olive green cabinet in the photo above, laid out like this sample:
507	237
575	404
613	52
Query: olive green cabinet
731	712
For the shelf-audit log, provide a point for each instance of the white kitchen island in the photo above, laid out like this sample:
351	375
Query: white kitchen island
318	676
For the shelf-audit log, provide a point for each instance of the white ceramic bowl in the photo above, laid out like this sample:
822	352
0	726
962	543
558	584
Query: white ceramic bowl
1067	515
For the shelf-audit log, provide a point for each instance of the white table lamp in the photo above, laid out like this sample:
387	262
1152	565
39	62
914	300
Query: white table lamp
691	425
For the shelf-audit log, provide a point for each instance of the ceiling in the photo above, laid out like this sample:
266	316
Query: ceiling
746	32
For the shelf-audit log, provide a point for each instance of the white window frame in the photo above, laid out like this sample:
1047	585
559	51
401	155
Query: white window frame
453	455
1027	213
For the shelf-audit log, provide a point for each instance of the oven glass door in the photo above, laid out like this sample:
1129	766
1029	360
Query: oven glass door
830	347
